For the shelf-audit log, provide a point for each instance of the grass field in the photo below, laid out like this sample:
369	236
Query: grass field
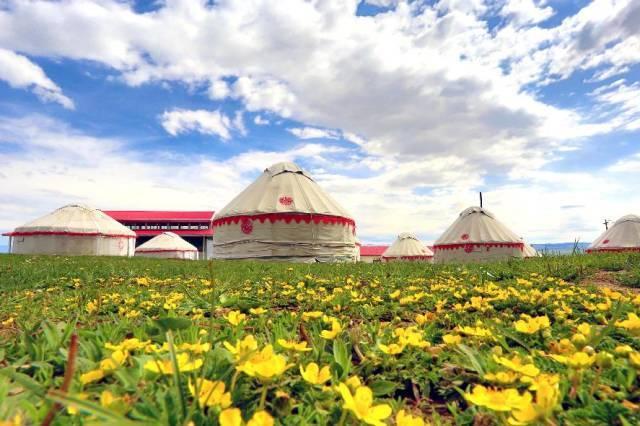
137	341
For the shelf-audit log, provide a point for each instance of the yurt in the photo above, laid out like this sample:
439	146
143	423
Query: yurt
407	247
529	251
624	235
73	230
358	247
284	215
477	236
168	246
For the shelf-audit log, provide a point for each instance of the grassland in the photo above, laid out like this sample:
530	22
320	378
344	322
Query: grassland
137	341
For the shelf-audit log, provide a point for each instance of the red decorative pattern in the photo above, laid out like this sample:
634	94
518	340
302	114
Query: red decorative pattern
70	234
465	237
246	226
469	247
614	250
285	200
386	259
605	242
288	218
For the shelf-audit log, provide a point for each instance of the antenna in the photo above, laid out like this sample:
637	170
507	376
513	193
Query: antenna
606	224
480	199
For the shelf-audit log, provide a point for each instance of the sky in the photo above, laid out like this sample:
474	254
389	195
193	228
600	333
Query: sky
402	111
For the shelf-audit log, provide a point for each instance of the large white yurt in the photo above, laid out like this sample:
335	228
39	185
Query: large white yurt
73	230
284	215
168	246
477	236
407	247
624	235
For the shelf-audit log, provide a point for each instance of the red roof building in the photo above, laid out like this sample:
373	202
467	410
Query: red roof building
371	253
193	226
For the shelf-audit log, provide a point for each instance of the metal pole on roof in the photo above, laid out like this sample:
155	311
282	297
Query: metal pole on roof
480	199
606	224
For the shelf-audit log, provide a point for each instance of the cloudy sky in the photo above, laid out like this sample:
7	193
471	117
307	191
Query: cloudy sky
402	110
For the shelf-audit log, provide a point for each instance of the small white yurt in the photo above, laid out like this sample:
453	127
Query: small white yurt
407	247
168	246
73	230
284	215
624	235
477	236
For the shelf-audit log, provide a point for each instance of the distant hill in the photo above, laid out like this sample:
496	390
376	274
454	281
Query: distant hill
562	248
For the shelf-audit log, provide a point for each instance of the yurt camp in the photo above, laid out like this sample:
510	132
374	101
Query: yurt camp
407	247
624	235
73	230
477	236
284	215
167	246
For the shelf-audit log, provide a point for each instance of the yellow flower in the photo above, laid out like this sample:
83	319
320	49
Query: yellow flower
165	366
531	325
391	349
196	348
547	399
306	316
293	345
264	365
420	320
260	418
210	393
257	311
314	375
517	364
410	336
361	405
578	360
336	328
243	348
502	377
632	323
107	399
73	409
116	359
230	417
406	419
16	420
451	339
634	359
235	317
353	382
498	400
128	345
623	350
475	331
395	294
91	376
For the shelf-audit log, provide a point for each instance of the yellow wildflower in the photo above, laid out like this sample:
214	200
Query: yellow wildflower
336	328
451	339
404	418
210	393
306	316
235	317
502	377
164	366
391	349
257	311
261	418
517	364
314	375
230	417
632	323
578	360
498	400
361	405
264	365
547	399
243	348
634	359
91	376
293	345
530	325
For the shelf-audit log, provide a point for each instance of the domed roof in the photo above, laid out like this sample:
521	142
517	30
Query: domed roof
623	234
283	188
75	219
407	245
477	225
167	241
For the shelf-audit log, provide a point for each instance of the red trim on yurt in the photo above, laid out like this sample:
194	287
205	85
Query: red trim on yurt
372	250
407	257
72	234
181	232
613	249
469	246
153	215
288	218
165	250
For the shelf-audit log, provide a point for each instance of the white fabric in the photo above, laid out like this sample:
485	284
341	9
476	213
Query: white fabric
167	245
625	233
284	188
405	246
529	251
72	245
477	225
76	218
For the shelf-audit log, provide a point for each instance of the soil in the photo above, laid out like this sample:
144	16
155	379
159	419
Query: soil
608	279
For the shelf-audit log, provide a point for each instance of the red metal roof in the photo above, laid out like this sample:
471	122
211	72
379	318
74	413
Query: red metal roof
181	232
372	250
156	215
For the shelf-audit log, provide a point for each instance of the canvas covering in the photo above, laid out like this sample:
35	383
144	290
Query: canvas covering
74	230
407	247
284	215
477	236
167	245
529	251
624	235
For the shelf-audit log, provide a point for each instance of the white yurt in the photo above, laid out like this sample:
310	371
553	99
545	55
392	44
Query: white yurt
358	247
73	230
168	246
407	247
477	236
529	251
284	215
624	235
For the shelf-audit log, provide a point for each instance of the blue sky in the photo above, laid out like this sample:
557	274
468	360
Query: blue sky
403	111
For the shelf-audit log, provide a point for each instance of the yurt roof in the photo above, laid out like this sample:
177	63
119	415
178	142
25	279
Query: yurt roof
283	188
166	242
75	219
407	245
477	225
624	234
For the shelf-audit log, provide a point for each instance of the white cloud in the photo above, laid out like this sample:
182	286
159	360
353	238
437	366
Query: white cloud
180	121
526	11
313	133
630	164
258	120
19	72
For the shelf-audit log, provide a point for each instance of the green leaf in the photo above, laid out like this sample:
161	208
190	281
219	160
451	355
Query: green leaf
342	356
169	323
24	380
109	417
383	387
